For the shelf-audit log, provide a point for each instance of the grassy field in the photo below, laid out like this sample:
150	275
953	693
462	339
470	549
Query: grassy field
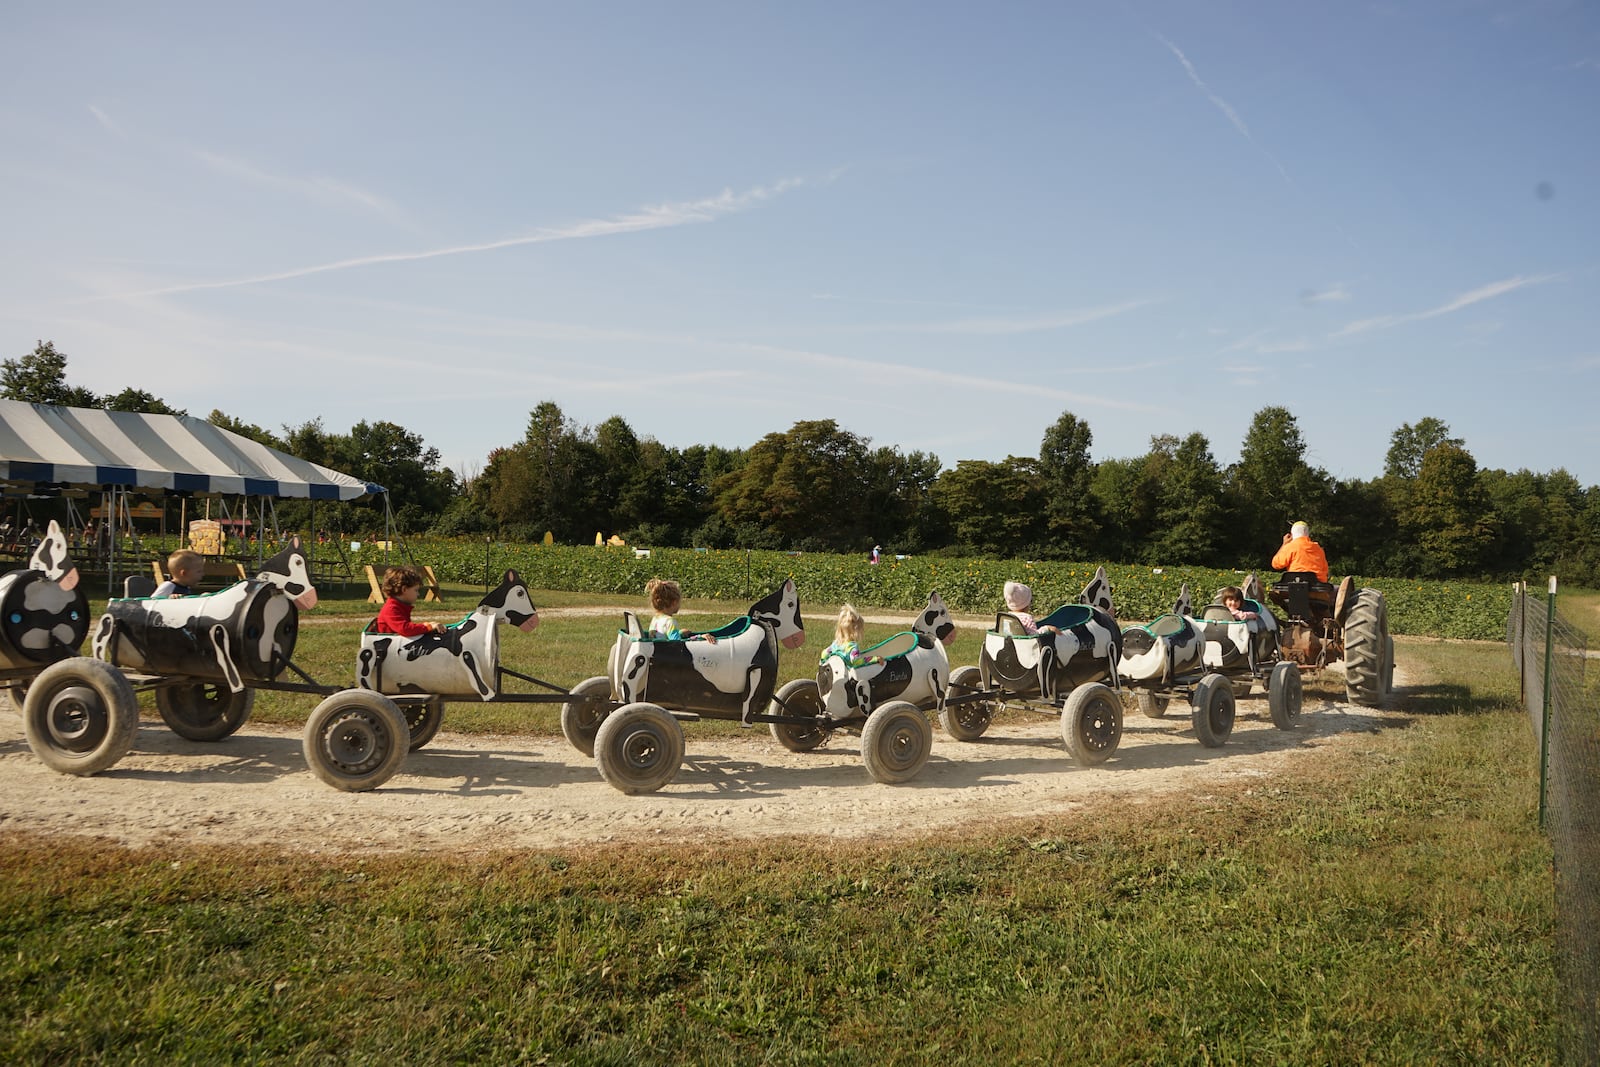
1390	905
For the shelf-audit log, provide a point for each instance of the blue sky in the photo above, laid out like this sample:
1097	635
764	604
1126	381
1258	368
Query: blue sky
940	224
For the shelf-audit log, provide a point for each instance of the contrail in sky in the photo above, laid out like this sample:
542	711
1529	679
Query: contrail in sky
654	217
1223	106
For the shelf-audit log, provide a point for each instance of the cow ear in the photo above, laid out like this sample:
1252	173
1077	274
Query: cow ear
511	575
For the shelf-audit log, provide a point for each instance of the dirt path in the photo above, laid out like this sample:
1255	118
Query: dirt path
464	793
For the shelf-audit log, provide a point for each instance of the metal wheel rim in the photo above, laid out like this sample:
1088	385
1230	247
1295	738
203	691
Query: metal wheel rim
1097	728
973	716
204	704
642	749
812	736
901	746
76	719
355	743
1219	714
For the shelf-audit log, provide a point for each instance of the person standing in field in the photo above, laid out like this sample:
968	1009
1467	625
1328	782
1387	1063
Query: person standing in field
1300	553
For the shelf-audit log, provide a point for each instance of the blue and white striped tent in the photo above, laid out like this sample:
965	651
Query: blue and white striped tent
43	444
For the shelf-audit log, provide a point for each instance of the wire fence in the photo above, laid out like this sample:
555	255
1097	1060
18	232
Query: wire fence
1551	655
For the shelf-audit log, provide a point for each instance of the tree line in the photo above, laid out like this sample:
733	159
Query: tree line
819	487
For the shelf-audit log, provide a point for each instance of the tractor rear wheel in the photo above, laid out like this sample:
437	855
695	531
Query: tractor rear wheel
1366	646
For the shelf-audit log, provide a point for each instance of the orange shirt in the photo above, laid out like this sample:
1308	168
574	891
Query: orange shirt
1302	554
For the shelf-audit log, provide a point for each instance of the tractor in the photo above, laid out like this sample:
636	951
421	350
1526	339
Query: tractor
1326	624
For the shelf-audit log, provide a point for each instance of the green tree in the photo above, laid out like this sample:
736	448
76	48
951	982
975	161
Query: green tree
1409	444
1272	485
800	489
1068	475
40	377
131	399
1450	518
995	509
227	422
1189	525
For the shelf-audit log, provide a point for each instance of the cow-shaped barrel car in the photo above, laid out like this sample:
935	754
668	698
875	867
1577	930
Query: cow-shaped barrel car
79	715
639	745
1166	656
201	652
887	701
1060	667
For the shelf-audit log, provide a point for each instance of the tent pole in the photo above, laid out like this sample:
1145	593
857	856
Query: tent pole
261	530
388	526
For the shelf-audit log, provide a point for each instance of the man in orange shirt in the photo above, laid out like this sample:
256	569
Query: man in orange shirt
1300	553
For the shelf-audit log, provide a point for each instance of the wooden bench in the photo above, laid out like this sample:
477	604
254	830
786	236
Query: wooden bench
430	586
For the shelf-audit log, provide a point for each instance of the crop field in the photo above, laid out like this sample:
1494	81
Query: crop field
1423	608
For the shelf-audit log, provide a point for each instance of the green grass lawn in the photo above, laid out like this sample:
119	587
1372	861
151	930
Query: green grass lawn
1390	903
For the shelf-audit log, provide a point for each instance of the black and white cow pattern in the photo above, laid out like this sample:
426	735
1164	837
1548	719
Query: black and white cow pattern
915	667
460	660
1171	647
245	631
736	674
1087	649
44	615
1239	646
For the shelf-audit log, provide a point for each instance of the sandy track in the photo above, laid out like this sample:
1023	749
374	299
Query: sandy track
466	793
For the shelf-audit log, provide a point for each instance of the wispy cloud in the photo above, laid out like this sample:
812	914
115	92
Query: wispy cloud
322	190
1223	106
1332	294
652	217
1299	344
105	121
1008	324
1465	300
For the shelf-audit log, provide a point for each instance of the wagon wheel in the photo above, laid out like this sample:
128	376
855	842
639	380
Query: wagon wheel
80	716
422	721
639	748
896	741
966	720
581	718
356	740
798	698
1212	710
206	711
18	695
1285	694
1153	706
1091	723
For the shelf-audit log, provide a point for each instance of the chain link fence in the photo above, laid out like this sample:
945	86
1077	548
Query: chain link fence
1551	655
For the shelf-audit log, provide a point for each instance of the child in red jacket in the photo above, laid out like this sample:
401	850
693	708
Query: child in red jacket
402	586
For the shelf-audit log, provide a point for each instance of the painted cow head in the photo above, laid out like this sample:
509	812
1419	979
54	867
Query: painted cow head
1184	606
511	602
935	621
1097	594
51	558
781	608
289	571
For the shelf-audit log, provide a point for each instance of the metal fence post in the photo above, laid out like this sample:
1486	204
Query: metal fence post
1544	747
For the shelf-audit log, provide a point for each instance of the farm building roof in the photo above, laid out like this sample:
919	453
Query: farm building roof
40	443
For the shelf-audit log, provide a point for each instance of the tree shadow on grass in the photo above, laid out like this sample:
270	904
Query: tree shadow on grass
1446	698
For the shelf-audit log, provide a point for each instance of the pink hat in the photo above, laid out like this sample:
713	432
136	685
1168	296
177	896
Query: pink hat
1018	596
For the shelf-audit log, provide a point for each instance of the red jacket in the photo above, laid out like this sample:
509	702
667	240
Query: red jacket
395	618
1302	554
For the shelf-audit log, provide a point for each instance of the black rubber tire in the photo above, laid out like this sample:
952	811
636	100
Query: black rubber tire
581	719
423	721
896	742
1091	723
799	697
1388	664
1366	642
639	748
204	711
80	716
1285	694
1212	710
1153	705
969	719
356	740
18	695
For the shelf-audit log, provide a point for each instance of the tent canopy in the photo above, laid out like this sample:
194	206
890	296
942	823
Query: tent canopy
93	448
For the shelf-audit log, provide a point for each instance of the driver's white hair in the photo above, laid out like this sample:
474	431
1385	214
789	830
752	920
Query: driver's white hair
1299	529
